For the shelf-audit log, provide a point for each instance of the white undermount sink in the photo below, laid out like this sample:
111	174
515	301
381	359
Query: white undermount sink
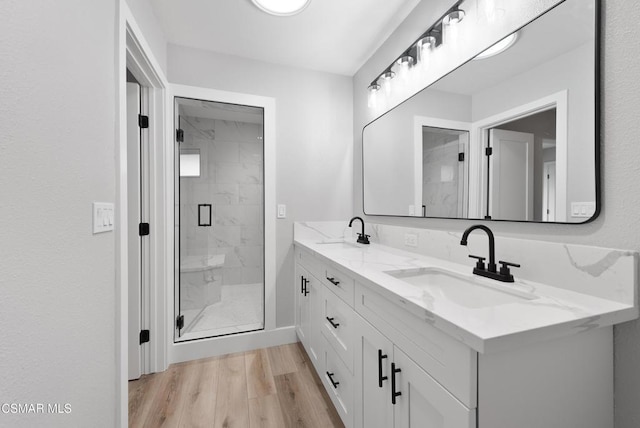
467	291
337	244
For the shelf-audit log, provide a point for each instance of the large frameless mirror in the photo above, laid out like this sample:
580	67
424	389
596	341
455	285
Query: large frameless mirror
510	135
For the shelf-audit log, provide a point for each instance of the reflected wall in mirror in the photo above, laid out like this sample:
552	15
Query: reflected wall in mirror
511	136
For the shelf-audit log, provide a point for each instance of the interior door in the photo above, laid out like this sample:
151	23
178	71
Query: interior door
134	242
510	175
549	192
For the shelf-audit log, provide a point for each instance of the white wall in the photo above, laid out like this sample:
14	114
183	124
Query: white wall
145	17
314	125
618	225
57	292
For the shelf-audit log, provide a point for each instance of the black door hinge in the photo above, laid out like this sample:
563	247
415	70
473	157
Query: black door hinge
180	322
461	157
488	151
143	229
144	336
179	135
143	121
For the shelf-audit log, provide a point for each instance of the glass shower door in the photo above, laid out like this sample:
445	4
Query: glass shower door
219	192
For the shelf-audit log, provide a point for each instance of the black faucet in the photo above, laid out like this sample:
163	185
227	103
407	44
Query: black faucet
362	238
490	271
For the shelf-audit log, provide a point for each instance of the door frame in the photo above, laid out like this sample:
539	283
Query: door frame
478	174
133	52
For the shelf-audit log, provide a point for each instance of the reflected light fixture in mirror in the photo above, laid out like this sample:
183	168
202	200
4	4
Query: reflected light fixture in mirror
493	9
282	7
499	47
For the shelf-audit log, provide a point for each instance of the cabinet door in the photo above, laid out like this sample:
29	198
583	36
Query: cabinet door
302	304
422	402
308	300
314	290
373	389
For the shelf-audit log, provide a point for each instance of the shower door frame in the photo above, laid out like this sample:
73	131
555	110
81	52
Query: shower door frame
186	350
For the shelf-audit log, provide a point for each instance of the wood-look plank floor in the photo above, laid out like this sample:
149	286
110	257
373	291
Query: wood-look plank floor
274	387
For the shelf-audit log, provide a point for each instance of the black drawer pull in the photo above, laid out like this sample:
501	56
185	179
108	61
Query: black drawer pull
394	394
333	324
306	289
333	382
380	377
302	279
333	281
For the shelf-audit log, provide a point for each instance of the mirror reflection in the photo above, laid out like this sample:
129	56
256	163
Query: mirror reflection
510	135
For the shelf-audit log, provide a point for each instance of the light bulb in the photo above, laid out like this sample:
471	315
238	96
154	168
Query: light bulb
386	81
423	49
372	101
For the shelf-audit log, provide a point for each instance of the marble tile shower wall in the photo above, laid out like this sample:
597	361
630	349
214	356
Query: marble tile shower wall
231	180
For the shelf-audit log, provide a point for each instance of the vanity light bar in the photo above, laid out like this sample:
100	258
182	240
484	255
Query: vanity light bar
432	37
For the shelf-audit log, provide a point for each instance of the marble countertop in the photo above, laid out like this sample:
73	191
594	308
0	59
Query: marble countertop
553	312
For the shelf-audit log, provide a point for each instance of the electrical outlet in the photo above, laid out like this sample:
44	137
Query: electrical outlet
411	240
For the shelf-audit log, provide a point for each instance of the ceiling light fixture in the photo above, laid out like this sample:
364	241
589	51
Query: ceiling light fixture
499	47
282	7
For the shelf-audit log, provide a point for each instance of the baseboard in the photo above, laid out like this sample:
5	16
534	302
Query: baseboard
215	346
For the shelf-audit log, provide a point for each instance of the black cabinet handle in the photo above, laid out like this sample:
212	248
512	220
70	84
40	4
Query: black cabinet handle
306	290
380	377
394	394
302	279
333	281
333	382
333	324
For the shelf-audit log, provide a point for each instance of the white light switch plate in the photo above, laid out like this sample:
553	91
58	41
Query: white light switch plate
103	217
282	211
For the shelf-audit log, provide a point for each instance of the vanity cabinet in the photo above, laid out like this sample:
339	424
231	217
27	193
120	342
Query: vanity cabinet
397	392
385	365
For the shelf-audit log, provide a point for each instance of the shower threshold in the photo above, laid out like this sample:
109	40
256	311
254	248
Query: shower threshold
239	310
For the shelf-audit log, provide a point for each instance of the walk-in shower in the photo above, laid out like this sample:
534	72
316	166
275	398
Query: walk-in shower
219	219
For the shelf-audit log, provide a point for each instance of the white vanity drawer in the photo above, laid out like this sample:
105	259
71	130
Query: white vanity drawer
309	261
339	282
337	320
339	383
451	363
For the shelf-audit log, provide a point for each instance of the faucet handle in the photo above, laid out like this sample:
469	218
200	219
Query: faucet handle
363	238
479	263
504	269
